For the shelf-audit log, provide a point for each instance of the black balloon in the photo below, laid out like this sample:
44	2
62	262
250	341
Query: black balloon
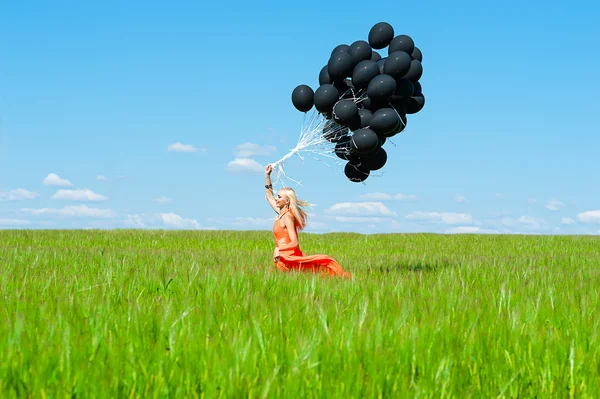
344	111
364	141
325	98
365	117
363	73
415	104
376	56
401	126
340	65
303	98
380	35
381	64
373	104
356	173
375	162
343	148
415	72
360	51
382	140
384	121
354	123
400	108
324	77
417	55
381	86
344	89
404	90
418	88
397	64
343	48
402	43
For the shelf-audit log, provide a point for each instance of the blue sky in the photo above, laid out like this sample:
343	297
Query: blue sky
148	115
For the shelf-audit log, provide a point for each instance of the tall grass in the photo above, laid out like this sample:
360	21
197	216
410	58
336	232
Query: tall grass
200	314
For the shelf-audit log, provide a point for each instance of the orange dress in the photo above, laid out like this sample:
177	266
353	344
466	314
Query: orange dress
294	259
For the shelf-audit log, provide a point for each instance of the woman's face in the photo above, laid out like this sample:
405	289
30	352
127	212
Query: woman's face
282	199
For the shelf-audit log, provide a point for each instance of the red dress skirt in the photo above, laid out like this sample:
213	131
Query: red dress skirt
294	259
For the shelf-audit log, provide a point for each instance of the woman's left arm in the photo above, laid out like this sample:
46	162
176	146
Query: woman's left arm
291	228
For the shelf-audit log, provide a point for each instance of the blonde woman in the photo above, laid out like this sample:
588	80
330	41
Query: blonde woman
292	218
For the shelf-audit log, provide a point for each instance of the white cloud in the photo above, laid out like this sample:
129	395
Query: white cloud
360	209
241	165
18	194
532	222
179	147
589	216
162	200
441	217
567	221
14	222
55	180
135	221
554	205
73	210
378	196
78	195
528	222
470	230
174	220
460	198
248	150
532	201
101	178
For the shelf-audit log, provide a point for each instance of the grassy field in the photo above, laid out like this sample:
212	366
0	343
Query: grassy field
199	314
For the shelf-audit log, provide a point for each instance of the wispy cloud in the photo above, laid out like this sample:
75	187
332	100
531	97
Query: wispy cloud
360	209
527	222
179	147
17	195
441	217
14	222
245	165
248	150
101	178
174	220
554	205
72	211
54	180
567	221
589	216
460	198
83	194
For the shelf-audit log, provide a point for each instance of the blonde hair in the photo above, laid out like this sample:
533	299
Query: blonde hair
296	207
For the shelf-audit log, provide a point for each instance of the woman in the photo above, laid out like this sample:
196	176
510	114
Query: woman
291	218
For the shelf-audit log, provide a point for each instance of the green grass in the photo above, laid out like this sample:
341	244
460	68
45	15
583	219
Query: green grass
199	314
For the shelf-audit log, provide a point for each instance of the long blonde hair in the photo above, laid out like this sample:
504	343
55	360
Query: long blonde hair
296	207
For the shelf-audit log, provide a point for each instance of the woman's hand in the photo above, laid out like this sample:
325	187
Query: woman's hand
269	169
276	254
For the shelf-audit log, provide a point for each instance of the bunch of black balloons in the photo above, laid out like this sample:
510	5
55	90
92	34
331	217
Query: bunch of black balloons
365	98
